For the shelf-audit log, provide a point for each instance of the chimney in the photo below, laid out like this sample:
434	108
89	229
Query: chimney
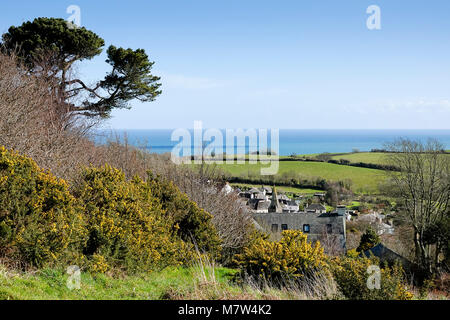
341	209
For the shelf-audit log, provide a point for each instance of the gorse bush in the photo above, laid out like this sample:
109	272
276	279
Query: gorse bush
352	275
291	258
107	222
40	221
193	224
127	226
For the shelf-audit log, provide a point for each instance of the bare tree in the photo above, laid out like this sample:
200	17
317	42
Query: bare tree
423	187
32	124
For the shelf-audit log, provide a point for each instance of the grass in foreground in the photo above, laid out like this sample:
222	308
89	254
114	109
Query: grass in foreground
52	285
198	283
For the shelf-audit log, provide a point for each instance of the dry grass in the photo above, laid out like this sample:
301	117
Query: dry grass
208	285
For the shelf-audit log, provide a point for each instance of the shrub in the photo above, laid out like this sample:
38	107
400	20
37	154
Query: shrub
39	219
128	227
193	225
352	274
291	258
368	240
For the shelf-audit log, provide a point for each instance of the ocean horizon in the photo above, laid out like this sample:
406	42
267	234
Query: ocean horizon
291	141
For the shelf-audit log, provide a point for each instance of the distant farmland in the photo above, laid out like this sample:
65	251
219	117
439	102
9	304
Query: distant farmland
365	157
364	180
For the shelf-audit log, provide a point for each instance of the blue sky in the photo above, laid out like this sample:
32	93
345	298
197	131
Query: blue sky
274	64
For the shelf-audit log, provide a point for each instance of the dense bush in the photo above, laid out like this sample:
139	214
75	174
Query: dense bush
291	258
193	224
127	225
39	219
369	239
352	274
108	222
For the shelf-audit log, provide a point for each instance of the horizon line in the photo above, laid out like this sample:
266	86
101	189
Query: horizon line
346	129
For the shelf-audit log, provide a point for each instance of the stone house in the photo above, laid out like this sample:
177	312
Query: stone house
291	206
316	208
316	225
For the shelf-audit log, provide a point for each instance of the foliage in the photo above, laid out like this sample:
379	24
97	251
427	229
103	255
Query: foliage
44	35
193	224
128	227
39	219
352	275
352	253
292	257
50	47
369	239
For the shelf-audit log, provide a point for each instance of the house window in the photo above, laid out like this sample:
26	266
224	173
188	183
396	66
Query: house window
274	228
329	228
306	228
284	227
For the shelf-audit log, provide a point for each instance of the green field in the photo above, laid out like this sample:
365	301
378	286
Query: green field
364	180
366	157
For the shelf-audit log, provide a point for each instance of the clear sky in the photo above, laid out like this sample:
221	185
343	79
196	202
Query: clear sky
274	64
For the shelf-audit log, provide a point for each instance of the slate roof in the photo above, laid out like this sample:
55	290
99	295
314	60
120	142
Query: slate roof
385	254
267	189
316	206
263	205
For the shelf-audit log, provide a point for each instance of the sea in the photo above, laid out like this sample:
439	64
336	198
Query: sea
290	141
